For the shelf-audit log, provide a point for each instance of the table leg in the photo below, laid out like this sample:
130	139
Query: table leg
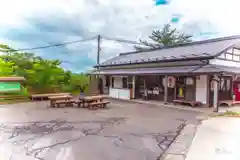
51	104
84	104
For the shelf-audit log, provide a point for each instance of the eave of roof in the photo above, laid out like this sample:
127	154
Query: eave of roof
195	69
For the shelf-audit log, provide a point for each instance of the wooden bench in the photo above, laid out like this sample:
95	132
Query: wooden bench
228	103
59	102
96	105
185	102
78	103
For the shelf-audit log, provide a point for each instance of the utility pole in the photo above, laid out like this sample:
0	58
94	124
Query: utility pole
98	60
98	49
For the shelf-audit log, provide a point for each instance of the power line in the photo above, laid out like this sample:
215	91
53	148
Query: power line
55	45
121	40
77	41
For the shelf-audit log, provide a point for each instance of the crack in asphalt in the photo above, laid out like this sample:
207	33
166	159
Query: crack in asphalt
41	129
47	128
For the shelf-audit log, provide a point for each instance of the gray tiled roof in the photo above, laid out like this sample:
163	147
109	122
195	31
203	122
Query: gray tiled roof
201	49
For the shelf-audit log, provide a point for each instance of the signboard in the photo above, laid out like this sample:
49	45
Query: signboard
10	86
171	82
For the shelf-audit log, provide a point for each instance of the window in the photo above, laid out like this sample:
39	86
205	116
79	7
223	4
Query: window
225	84
228	84
236	51
107	83
124	82
130	79
222	84
112	82
229	56
130	86
130	82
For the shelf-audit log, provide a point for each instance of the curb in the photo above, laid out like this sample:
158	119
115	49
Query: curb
160	104
179	148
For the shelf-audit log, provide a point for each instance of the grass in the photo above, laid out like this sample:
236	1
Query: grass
13	97
228	114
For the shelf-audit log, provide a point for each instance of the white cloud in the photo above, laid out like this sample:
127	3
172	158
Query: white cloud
127	19
127	16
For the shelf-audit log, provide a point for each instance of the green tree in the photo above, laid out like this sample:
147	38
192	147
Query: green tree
5	48
165	37
45	75
41	75
21	61
6	68
79	82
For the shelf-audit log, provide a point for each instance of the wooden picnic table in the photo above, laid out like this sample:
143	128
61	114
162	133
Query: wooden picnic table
61	99
92	98
47	95
89	100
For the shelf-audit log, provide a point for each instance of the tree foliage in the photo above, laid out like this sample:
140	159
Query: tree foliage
41	75
165	37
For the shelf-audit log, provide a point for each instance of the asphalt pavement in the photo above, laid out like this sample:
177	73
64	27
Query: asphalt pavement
125	130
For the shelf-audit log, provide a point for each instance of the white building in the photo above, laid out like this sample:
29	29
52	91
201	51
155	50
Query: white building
201	71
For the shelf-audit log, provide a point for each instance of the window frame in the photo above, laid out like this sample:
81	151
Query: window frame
112	82
125	82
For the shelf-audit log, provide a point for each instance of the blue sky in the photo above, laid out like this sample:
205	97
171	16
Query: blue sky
31	23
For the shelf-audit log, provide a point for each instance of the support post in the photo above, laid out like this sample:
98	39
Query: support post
208	91
133	87
165	89
215	93
175	89
90	79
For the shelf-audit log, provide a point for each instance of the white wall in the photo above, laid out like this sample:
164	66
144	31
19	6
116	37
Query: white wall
119	93
201	89
103	79
224	63
118	82
113	93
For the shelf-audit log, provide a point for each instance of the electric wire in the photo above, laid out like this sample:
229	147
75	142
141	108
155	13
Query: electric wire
55	45
121	40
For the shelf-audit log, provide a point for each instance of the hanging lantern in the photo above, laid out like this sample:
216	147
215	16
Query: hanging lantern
180	92
171	82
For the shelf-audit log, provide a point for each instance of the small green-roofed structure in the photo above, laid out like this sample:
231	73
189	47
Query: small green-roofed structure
12	91
11	84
